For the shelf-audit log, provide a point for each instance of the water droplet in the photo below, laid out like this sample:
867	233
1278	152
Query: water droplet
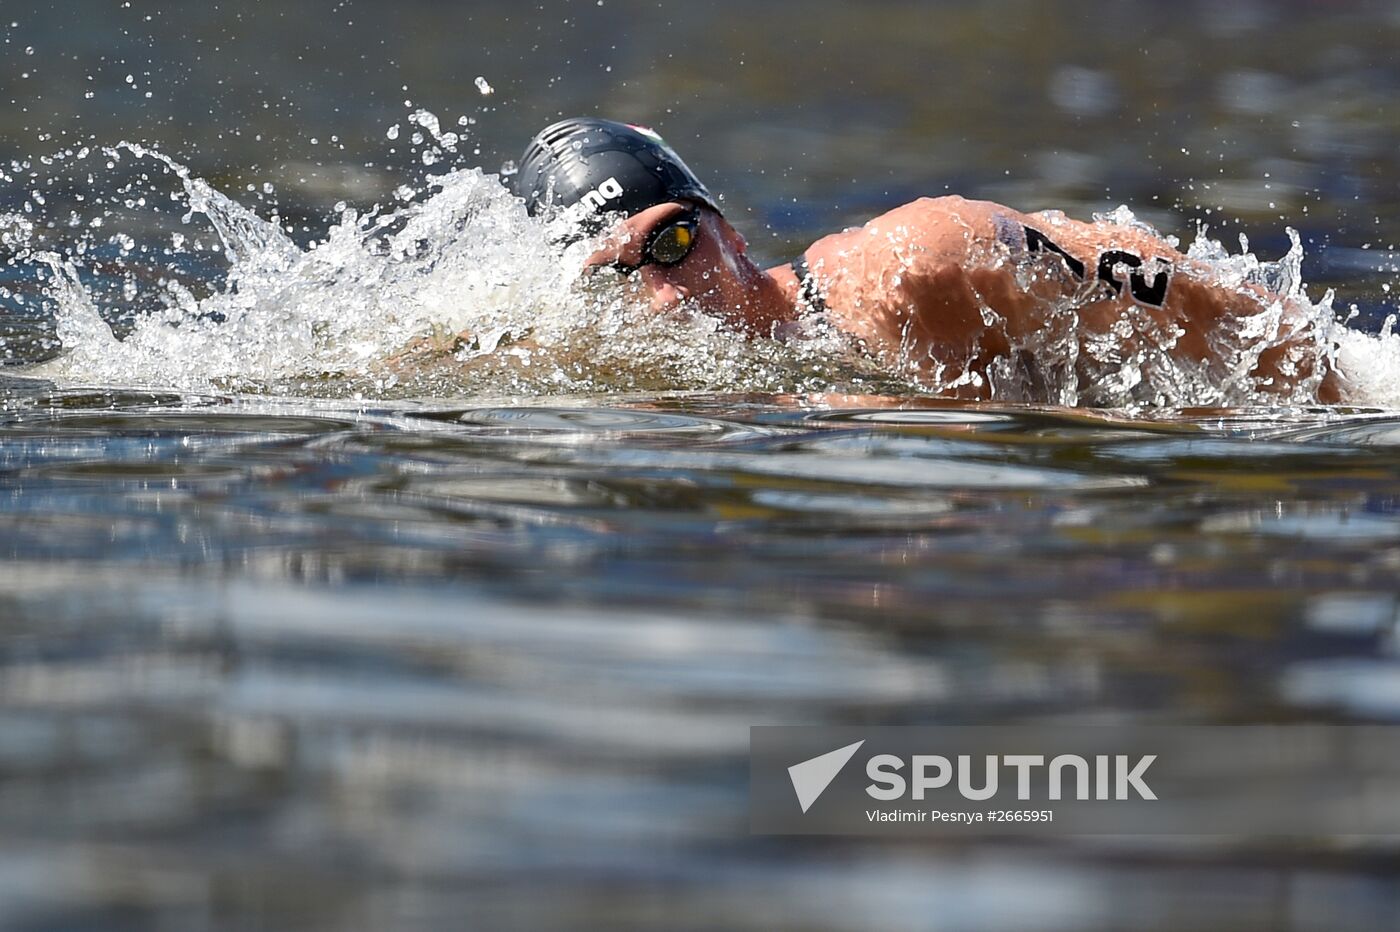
393	132
484	87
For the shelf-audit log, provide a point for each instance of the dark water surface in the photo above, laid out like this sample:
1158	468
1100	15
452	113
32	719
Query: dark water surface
488	661
1247	116
290	663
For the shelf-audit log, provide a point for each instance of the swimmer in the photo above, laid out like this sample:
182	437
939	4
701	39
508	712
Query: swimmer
952	289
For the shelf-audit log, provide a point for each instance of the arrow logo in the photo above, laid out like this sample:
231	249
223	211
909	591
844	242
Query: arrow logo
811	777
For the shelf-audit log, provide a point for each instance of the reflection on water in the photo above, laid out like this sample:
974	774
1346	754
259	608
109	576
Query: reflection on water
291	663
307	663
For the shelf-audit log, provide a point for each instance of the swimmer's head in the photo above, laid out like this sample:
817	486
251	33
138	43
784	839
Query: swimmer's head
611	167
672	233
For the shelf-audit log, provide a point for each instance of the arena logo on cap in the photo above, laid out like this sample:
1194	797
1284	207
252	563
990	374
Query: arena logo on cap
607	191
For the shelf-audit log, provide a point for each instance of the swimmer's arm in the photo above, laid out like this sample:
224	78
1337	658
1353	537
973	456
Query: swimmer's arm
949	255
1136	267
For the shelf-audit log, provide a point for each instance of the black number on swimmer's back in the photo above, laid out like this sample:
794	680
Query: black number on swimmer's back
1143	292
1037	241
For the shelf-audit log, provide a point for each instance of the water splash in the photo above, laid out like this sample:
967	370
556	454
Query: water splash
375	306
374	282
453	288
1134	360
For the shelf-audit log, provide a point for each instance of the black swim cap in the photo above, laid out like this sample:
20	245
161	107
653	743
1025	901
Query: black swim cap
611	166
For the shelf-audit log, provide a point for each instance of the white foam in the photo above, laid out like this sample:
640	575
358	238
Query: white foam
463	256
1371	365
457	259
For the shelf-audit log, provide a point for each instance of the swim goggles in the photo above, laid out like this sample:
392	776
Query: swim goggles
669	243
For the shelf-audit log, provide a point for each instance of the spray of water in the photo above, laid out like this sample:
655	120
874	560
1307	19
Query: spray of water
377	306
454	289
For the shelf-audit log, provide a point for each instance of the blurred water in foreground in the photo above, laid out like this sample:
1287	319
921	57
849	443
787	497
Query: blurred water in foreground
343	666
276	656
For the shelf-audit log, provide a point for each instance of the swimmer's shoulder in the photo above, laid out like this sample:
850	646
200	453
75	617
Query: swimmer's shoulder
946	208
943	225
925	233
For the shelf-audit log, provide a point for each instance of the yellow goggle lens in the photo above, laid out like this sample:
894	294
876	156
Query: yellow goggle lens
673	243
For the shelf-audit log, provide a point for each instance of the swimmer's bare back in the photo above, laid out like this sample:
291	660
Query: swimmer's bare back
950	286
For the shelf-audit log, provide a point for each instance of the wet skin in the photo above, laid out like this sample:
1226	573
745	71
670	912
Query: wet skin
948	286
